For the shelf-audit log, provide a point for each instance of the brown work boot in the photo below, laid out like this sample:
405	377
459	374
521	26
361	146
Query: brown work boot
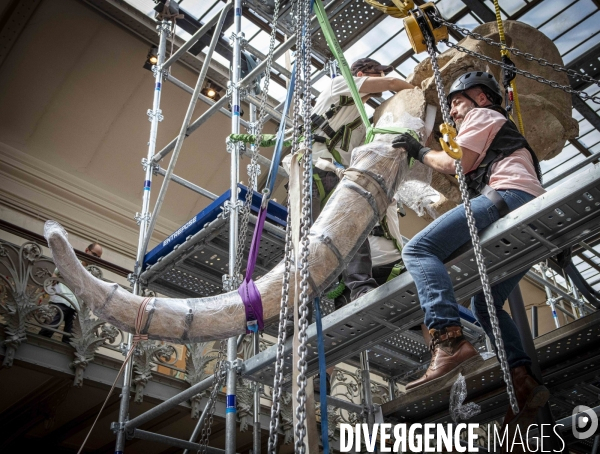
451	354
530	395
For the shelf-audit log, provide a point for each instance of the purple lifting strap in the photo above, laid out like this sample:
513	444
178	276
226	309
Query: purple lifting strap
248	291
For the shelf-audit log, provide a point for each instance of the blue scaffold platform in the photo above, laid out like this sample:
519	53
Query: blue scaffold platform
193	259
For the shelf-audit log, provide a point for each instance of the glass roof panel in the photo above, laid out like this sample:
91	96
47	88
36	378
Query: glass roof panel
510	7
560	170
585	127
449	8
277	91
568	152
591	138
468	21
490	5
568	18
198	8
407	67
373	39
391	50
545	11
582	48
261	42
579	33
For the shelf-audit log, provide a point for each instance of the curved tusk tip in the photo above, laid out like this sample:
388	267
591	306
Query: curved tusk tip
52	228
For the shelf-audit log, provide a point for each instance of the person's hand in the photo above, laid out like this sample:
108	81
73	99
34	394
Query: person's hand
412	146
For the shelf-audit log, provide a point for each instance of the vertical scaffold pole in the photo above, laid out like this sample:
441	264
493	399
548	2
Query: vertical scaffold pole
366	382
155	116
232	281
256	439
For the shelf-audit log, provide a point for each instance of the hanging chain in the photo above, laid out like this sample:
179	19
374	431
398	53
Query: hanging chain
529	57
480	260
513	50
582	94
278	375
305	52
218	384
253	168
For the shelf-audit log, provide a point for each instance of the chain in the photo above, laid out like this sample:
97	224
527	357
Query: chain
582	94
278	376
252	168
305	51
480	260
218	384
513	50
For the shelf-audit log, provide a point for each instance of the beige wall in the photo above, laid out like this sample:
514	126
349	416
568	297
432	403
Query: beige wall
73	129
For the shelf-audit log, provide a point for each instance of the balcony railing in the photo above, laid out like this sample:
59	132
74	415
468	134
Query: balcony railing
28	280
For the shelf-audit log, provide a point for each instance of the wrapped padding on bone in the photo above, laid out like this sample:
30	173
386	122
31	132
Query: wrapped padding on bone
341	228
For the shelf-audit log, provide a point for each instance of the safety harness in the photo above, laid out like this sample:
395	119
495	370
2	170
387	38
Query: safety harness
507	141
332	138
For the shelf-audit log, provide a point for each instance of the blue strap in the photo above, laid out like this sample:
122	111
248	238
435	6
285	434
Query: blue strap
281	133
322	378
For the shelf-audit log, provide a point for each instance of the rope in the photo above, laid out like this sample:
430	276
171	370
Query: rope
506	55
337	291
137	337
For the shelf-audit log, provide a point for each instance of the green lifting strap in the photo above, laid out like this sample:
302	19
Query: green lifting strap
320	186
268	140
397	270
335	48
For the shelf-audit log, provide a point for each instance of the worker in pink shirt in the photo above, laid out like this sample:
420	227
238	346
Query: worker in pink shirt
502	174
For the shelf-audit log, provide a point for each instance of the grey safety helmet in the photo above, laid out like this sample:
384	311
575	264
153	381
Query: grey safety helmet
481	79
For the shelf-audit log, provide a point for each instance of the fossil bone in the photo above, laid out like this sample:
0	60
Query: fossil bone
343	225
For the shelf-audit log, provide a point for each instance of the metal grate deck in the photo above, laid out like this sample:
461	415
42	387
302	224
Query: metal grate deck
567	214
569	358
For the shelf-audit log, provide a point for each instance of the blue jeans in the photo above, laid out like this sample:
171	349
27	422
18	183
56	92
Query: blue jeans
424	256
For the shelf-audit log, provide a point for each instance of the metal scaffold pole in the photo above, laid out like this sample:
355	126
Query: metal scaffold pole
232	281
155	116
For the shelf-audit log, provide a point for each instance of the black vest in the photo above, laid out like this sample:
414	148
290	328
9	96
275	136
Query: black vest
507	141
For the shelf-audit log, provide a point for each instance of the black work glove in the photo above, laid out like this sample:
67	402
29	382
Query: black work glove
412	146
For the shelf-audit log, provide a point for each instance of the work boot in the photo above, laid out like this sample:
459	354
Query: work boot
530	394
451	354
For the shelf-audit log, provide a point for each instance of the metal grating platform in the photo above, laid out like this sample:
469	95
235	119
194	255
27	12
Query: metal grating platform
569	358
567	214
195	266
349	25
350	20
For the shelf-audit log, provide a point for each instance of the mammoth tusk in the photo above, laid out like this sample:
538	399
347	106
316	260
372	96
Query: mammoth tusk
362	196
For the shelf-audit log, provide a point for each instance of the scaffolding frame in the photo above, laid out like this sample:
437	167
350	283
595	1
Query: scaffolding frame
126	428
